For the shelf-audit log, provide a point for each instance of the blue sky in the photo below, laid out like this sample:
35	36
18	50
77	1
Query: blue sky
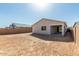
30	13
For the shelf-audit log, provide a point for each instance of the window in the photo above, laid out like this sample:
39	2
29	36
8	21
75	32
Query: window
43	28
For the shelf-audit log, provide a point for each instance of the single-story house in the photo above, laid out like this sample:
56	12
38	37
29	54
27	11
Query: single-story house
18	25
76	32
49	26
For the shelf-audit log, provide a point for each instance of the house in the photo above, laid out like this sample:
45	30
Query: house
49	26
76	32
18	25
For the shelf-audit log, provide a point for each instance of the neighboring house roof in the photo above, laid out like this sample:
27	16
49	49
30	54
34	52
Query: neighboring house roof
20	25
76	23
50	20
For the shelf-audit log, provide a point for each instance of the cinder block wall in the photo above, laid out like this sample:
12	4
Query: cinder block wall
15	31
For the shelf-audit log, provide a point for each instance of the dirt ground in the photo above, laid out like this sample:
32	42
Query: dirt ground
27	44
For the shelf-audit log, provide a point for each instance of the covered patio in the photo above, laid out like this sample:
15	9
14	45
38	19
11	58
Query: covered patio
57	29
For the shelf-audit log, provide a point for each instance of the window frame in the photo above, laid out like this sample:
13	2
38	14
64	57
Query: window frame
43	28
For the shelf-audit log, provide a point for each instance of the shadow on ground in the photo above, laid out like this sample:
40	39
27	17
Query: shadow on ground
67	38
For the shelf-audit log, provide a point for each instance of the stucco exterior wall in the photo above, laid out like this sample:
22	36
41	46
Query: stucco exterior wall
76	34
37	27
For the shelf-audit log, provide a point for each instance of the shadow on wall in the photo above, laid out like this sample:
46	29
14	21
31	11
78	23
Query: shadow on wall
66	38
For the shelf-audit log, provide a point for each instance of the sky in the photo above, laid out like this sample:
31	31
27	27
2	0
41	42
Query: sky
29	13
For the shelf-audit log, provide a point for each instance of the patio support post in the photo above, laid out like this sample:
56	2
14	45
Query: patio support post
62	30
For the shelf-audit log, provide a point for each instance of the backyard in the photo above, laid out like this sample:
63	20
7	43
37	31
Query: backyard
34	44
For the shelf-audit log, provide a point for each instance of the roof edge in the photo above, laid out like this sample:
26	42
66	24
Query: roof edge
75	24
49	20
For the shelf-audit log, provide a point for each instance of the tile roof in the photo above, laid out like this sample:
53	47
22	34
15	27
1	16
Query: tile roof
50	20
